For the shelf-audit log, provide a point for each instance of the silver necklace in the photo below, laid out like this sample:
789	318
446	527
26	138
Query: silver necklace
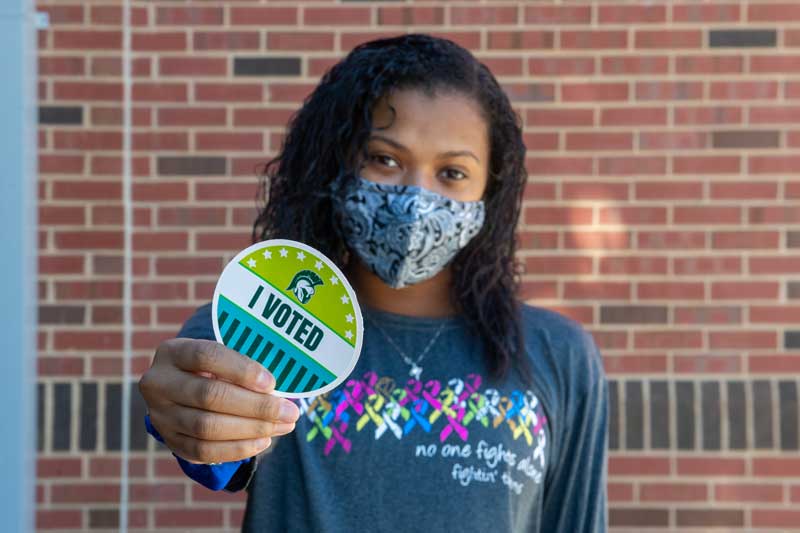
416	369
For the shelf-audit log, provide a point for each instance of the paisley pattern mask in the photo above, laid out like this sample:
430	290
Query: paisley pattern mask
405	234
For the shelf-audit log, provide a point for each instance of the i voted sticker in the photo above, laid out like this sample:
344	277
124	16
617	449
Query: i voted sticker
287	306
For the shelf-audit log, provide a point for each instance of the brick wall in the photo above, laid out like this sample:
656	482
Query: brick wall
663	212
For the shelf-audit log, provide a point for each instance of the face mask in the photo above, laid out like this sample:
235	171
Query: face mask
405	234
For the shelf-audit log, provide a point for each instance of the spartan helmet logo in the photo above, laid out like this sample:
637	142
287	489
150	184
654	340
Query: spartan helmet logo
303	285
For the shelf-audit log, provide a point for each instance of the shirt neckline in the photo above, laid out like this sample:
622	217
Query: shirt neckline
396	319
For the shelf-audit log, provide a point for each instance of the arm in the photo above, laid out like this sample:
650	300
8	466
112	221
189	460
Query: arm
575	497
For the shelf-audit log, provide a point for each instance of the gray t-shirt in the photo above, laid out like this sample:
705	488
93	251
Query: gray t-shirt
453	451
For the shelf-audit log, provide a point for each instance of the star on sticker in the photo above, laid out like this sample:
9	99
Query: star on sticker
349	317
284	252
344	299
301	256
251	263
334	280
267	254
318	265
348	334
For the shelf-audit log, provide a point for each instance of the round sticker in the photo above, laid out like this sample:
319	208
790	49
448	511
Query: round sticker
287	306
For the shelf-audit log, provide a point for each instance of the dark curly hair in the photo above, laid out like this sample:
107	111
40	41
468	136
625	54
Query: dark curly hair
321	150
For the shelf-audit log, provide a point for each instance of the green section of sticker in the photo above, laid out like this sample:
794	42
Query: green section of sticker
309	282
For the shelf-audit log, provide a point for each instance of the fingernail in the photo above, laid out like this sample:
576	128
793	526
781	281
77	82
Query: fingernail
265	380
288	411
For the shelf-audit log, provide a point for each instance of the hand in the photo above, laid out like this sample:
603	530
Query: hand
212	404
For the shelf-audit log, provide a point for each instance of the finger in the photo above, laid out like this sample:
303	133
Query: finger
220	396
207	451
199	355
206	425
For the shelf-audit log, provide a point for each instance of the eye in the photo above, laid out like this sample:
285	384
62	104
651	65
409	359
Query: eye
462	175
380	156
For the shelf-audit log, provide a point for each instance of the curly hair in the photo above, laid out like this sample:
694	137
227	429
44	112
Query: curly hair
321	148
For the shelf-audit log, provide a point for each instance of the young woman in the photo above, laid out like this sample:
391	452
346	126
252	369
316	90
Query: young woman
468	410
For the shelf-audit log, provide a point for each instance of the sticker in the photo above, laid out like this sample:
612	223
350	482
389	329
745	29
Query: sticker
287	306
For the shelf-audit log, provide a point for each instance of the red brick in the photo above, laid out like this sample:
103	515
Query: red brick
228	92
58	215
745	239
183	16
593	39
703	13
560	165
708	115
706	164
632	215
669	90
61	66
160	192
594	190
560	264
663	190
559	117
87	340
87	40
88	240
633	116
561	15
670	39
83	289
775	265
773	12
777	164
744	289
87	190
299	40
191	216
192	66
51	467
709	64
258	16
624	65
229	141
633	265
710	466
84	493
189	265
599	141
112	15
59	519
743	90
773	364
776	467
561	66
674	338
594	92
672	492
411	16
707	215
226	40
60	14
670	290
708	315
467	15
742	339
60	264
638	466
701	364
608	240
558	215
635	364
631	14
673	140
158	41
159	92
632	165
775	518
520	40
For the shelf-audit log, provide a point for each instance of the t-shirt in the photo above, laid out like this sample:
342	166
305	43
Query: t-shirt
452	451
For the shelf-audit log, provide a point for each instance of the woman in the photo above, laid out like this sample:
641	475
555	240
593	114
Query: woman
468	410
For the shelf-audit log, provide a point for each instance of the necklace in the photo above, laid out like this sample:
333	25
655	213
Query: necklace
416	369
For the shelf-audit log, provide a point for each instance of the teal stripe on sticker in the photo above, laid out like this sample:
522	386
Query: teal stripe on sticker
241	331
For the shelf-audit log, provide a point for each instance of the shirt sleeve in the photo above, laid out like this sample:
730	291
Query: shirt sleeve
231	476
575	496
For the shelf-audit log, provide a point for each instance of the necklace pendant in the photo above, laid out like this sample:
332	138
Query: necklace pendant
415	371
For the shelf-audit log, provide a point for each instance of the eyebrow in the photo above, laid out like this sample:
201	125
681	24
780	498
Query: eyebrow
451	153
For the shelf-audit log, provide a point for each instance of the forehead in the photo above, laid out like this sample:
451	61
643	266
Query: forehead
443	121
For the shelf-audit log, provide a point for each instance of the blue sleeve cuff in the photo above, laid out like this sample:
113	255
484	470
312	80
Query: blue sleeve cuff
214	477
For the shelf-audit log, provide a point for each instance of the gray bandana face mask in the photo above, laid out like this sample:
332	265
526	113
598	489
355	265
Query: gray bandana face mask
405	234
